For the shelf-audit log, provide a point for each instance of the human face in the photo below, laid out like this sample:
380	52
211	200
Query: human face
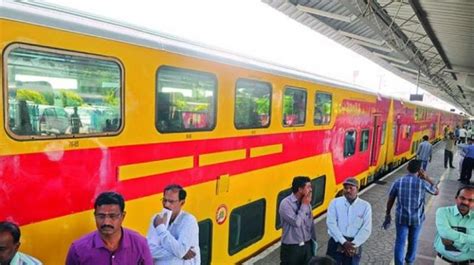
171	202
350	192
465	201
8	248
108	219
306	189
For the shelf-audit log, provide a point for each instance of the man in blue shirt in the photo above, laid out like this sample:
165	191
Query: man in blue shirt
454	241
424	152
409	191
468	163
175	242
349	221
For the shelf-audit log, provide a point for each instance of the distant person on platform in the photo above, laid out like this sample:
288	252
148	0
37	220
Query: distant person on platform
349	222
409	191
462	135
111	243
76	123
424	152
468	162
454	241
173	234
297	224
9	245
449	150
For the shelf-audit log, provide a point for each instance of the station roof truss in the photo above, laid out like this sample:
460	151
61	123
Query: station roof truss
427	42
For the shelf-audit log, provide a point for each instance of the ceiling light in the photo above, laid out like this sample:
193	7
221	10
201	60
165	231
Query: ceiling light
391	58
318	12
362	38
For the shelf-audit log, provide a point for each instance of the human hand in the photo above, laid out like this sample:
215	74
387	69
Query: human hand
447	242
160	219
307	198
190	254
386	222
349	248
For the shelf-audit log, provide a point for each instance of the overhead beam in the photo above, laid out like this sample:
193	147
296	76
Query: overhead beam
318	12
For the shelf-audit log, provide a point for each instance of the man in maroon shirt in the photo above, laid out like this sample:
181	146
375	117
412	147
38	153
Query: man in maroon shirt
111	243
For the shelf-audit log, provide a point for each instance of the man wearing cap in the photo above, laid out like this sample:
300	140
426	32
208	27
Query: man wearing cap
297	224
349	221
409	191
454	241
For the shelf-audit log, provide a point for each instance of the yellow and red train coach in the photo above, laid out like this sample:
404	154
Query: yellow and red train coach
89	106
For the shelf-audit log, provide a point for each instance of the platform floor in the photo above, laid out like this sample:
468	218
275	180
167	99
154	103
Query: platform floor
379	247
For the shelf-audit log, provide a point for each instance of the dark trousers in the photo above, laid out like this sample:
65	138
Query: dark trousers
295	254
466	170
448	156
339	257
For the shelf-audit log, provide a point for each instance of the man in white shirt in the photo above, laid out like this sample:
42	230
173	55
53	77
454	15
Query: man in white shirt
9	244
177	242
349	221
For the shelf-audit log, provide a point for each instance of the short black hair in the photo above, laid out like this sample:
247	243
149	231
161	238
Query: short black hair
322	261
414	166
467	187
176	187
110	197
425	137
299	182
12	228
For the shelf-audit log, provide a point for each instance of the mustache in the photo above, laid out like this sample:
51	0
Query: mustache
106	226
467	206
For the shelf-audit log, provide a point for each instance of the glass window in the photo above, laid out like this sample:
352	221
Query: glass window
246	226
384	131
54	93
252	104
294	107
319	187
322	108
185	100
350	143
205	241
283	194
364	140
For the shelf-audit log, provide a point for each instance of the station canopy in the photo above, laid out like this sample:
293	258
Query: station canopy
425	41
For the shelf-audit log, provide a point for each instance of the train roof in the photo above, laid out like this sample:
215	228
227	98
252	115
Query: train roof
54	16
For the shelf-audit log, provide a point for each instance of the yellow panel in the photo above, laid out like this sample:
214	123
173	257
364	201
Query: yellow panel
223	184
139	170
266	150
221	157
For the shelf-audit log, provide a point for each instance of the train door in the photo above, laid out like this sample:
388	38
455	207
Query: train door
375	141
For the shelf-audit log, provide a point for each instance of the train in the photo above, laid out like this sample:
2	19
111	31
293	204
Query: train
89	105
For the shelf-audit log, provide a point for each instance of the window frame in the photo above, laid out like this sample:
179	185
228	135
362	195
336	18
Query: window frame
215	101
361	140
269	107
59	51
315	105
305	91
355	143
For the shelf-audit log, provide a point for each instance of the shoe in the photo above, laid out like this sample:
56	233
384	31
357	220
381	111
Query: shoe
460	179
452	167
445	167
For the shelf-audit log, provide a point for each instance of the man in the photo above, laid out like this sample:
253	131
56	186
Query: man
76	123
349	221
462	135
9	244
409	191
424	152
297	224
177	243
454	241
111	243
468	162
449	150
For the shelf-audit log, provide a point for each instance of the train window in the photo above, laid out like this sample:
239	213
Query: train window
252	104
319	187
205	241
322	108
246	225
185	100
384	131
283	194
364	140
350	143
294	107
55	93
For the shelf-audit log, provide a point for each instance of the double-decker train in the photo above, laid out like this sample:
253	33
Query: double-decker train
89	106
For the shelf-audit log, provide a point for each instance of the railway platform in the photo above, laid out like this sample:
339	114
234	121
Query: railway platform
379	247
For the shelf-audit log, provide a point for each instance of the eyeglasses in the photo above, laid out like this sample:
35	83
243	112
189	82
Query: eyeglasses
103	216
164	200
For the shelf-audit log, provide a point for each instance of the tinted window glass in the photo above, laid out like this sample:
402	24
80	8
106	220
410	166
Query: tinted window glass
205	241
384	130
252	104
53	93
350	143
294	107
185	100
364	140
246	225
322	108
319	187
280	197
